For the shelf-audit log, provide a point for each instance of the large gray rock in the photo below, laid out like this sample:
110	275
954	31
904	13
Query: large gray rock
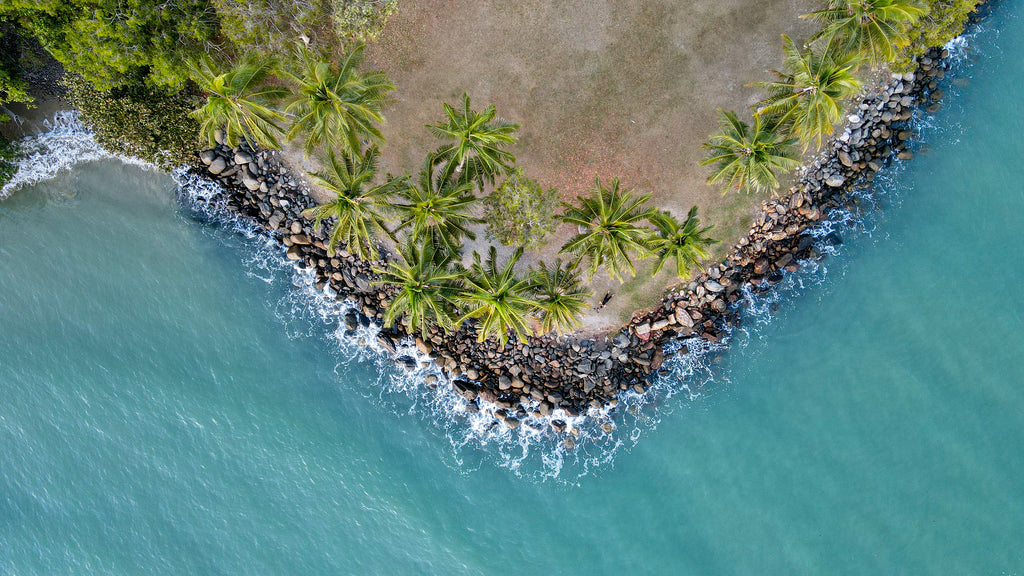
217	165
835	180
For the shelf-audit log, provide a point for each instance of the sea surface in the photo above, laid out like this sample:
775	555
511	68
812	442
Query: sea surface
175	399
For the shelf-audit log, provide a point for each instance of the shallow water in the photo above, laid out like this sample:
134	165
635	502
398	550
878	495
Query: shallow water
170	403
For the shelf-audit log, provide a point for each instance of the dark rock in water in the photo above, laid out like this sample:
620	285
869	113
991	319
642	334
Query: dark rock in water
472	407
905	155
386	343
569	443
833	239
512	423
351	322
294	253
558	425
933	108
806	241
406	362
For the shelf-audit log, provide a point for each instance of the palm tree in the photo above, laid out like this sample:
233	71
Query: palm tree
685	242
475	143
561	296
337	106
427	287
497	299
357	207
748	158
808	96
609	229
437	210
872	28
237	101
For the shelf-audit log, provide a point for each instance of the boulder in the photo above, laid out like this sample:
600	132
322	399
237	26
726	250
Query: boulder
835	180
217	165
294	253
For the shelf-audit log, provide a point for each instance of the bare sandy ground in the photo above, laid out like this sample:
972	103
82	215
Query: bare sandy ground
605	88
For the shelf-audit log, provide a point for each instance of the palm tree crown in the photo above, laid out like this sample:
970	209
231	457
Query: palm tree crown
475	143
685	242
561	296
336	106
427	287
609	229
436	210
497	299
748	158
873	28
357	207
808	95
237	101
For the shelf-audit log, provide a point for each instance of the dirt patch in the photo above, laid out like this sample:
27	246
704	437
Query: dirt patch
605	88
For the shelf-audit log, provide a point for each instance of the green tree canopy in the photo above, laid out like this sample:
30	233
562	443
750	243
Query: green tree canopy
686	243
475	143
519	212
808	96
610	230
560	295
357	207
748	158
333	105
116	42
238	101
496	298
427	287
870	28
437	211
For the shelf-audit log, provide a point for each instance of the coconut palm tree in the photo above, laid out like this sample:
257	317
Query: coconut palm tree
685	242
609	229
437	210
871	28
427	287
336	105
237	101
497	299
561	296
748	158
357	209
474	143
807	98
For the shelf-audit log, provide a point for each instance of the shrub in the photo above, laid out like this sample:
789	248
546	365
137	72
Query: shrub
944	21
520	213
362	19
9	152
146	123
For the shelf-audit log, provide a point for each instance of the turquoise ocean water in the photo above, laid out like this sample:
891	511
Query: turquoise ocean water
173	401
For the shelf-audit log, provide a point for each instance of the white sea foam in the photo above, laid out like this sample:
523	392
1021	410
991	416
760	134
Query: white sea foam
67	142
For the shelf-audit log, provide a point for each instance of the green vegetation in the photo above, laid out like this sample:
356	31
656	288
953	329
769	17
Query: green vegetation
809	95
148	123
874	29
748	158
475	143
9	153
943	21
560	296
357	209
685	243
238	101
361	19
610	231
427	287
437	211
336	106
113	43
519	212
497	298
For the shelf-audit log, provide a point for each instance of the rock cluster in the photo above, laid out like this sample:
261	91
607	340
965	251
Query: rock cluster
548	374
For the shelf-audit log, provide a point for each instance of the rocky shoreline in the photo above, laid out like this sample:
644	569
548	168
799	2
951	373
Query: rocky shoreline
557	377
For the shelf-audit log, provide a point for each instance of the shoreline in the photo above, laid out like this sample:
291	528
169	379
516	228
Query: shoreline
558	377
